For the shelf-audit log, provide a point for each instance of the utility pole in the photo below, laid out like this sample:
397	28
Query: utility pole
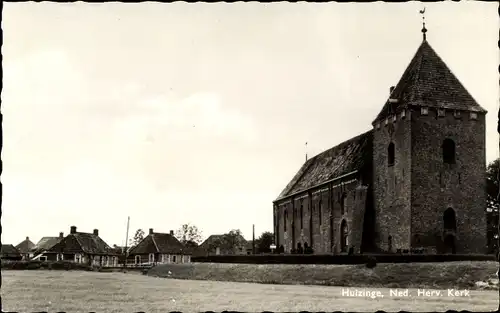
498	221
126	242
253	239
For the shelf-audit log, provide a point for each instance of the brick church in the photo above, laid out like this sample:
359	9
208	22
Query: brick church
416	180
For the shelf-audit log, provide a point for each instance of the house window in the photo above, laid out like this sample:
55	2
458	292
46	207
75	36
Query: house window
389	243
182	257
151	258
424	111
448	151
137	259
390	154
441	112
174	259
77	258
473	116
457	114
43	258
319	211
403	114
60	257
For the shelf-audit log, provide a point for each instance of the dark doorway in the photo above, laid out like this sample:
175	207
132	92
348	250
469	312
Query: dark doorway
449	243
343	236
389	243
449	220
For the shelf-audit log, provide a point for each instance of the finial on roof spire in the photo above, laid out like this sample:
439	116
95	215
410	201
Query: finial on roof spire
306	151
424	30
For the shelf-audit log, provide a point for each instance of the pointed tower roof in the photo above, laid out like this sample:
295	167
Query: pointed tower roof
427	81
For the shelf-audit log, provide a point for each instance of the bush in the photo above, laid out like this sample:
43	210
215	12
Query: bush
371	262
36	265
33	265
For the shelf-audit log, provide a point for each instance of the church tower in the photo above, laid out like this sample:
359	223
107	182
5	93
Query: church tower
430	162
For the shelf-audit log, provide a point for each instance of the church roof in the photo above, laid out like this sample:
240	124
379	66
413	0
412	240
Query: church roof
347	157
428	81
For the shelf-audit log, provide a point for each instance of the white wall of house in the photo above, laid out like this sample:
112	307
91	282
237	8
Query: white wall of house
161	259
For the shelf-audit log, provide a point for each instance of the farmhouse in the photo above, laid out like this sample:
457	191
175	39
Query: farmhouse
43	245
9	252
416	180
159	248
215	245
81	247
26	248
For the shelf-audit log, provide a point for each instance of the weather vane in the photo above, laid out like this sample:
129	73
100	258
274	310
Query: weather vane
424	30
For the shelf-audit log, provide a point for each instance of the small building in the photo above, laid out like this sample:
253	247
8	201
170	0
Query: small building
87	248
158	248
43	245
9	252
26	248
215	245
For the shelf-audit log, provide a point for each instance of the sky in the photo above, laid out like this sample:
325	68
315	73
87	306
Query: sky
199	113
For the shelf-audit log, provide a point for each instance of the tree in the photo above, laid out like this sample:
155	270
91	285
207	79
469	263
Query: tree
492	184
138	237
189	234
492	206
263	243
232	241
214	244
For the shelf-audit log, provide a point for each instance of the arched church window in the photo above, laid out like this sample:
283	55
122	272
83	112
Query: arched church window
319	211
390	154
448	151
343	236
286	220
449	219
301	216
343	196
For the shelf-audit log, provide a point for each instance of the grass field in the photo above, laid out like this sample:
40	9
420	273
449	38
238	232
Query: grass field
78	291
411	275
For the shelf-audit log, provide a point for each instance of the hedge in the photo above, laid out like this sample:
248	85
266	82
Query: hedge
340	259
38	265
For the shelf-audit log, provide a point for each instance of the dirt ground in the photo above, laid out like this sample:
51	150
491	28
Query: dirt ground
77	291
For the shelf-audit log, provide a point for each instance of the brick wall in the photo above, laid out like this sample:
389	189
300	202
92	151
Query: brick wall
391	184
437	186
321	228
